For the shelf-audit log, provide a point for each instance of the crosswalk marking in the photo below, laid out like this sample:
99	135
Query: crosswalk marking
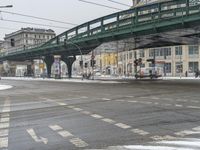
55	127
5	124
66	134
78	142
3	142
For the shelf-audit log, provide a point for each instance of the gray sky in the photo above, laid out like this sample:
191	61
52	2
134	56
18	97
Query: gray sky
64	10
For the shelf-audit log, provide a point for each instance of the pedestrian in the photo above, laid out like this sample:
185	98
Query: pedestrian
196	73
186	74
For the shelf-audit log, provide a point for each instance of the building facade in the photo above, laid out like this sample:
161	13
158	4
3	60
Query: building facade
21	40
27	37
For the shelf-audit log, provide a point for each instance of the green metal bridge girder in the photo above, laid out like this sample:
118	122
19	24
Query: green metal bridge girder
136	22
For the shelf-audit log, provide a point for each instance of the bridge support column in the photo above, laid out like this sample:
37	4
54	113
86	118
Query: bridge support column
69	61
49	60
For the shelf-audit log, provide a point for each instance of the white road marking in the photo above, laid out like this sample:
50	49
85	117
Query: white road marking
161	138
140	132
55	127
109	120
3	132
66	134
106	99
86	112
37	139
3	142
178	105
194	107
123	126
194	101
5	120
77	109
71	107
4	125
62	104
78	142
96	116
133	101
187	132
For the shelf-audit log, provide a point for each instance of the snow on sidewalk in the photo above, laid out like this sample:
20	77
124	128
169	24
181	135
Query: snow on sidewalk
5	87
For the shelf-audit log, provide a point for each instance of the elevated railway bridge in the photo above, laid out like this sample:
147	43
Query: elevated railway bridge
166	23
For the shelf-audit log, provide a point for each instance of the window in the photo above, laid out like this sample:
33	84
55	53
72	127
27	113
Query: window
168	51
130	55
193	66
141	53
168	67
12	42
193	50
178	50
179	67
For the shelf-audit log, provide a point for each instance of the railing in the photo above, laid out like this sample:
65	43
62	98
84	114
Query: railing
131	18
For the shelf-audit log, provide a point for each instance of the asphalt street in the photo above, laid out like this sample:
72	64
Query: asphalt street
46	115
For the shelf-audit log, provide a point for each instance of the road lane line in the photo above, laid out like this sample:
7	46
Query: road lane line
106	99
96	116
140	132
77	109
123	126
108	120
194	107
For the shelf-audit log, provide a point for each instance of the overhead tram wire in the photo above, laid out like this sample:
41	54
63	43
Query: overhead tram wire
23	22
119	3
35	17
97	4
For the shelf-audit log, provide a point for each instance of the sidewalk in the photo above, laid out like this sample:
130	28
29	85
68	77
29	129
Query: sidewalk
75	79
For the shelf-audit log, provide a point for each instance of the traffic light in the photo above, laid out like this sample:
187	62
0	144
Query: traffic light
136	62
140	60
92	62
81	63
151	60
86	65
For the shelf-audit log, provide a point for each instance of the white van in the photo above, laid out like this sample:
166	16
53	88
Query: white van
152	72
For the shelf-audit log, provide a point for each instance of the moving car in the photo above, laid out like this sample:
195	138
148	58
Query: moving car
151	72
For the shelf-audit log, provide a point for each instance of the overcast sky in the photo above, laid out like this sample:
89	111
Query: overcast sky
72	11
